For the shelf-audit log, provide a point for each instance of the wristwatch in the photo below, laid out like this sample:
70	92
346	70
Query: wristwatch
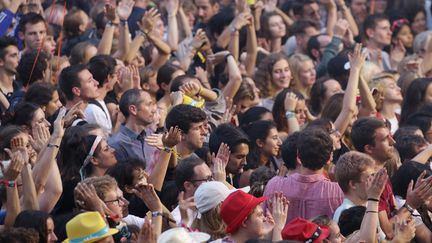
409	208
156	213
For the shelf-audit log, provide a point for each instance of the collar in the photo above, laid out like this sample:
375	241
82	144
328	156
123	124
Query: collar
310	178
129	133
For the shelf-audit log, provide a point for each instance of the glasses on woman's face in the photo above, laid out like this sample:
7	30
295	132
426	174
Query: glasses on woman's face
117	200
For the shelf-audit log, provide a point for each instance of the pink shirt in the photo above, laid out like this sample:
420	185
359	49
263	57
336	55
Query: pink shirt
309	195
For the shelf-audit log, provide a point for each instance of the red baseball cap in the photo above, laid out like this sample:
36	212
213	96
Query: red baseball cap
305	231
236	207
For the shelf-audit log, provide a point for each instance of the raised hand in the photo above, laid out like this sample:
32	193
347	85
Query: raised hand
357	58
220	161
199	39
218	57
136	80
190	89
184	205
172	6
176	98
270	5
340	28
375	185
40	137
172	137
375	56
148	20
77	111
290	102
421	192
397	52
126	78
230	110
59	122
147	233
18	158
241	20
279	208
124	9
202	76
147	194
404	229
110	12
241	6
155	140
87	198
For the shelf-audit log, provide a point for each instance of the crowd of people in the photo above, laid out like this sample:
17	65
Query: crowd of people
226	121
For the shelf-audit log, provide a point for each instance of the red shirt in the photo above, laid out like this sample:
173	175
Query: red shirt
387	202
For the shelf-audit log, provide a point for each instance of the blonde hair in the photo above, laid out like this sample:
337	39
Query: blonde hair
102	184
296	62
211	223
377	86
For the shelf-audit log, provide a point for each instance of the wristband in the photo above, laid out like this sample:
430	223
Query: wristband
409	208
156	214
141	32
371	211
290	114
373	199
53	145
110	23
167	149
123	21
8	183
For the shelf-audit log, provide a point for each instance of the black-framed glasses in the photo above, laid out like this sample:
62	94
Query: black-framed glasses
117	200
209	178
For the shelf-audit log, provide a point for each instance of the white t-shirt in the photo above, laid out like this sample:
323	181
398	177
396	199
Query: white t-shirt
95	115
192	214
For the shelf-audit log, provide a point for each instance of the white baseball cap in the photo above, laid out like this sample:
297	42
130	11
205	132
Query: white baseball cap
180	235
212	193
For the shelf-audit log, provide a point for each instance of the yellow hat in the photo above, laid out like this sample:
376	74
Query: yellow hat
87	227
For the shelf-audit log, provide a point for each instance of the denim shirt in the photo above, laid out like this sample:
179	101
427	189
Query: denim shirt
130	145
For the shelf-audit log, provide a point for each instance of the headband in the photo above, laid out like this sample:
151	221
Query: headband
89	156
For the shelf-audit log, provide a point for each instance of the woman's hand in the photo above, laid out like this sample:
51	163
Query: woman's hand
279	208
357	58
148	195
220	162
148	20
40	137
290	102
124	9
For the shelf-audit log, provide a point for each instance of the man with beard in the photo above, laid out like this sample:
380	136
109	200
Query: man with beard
371	136
9	59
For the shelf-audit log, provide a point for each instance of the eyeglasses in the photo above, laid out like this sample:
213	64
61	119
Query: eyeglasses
398	23
117	200
209	178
